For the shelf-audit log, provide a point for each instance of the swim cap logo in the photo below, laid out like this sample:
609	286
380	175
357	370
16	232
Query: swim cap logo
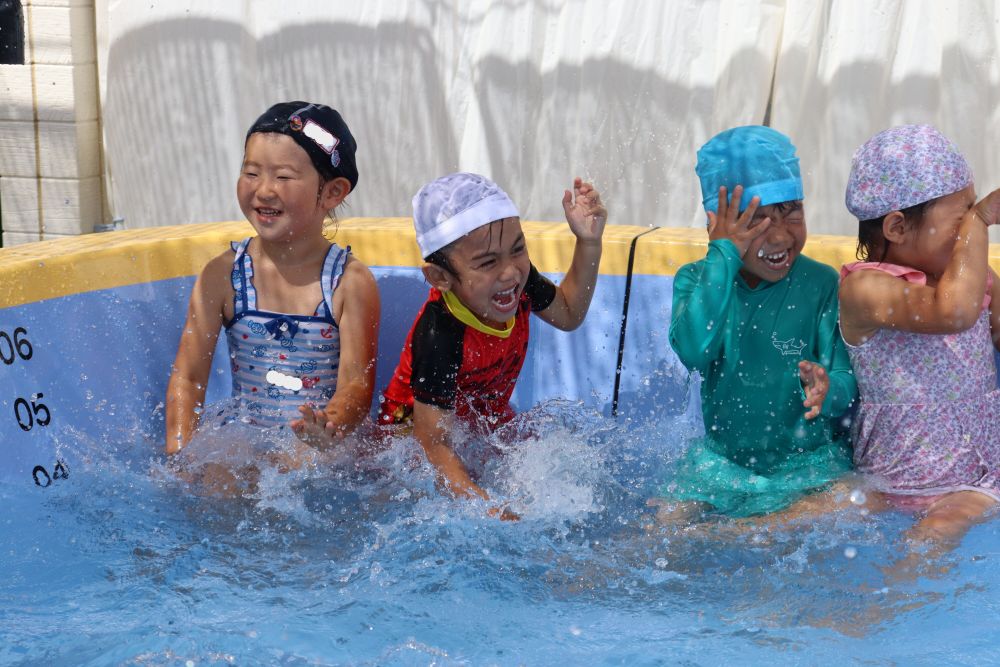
321	136
789	346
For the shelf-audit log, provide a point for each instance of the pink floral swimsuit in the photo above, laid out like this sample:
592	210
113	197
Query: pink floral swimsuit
929	421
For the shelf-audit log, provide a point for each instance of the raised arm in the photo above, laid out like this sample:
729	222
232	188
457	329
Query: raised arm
357	311
193	363
871	300
702	291
587	217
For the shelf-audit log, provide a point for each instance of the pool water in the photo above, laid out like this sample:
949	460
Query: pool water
361	561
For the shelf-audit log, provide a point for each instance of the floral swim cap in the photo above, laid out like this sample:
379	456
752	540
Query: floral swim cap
902	167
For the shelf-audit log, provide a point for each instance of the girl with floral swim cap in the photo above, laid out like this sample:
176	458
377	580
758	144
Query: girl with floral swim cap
300	313
917	313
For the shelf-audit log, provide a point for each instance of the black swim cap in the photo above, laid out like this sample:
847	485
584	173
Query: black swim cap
320	131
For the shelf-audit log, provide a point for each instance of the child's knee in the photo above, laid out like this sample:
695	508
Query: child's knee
951	516
672	512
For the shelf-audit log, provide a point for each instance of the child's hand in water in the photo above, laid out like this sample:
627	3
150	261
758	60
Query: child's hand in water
503	513
315	428
816	383
585	214
741	230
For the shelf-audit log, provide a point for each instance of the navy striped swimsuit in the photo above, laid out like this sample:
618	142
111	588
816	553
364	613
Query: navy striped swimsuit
282	361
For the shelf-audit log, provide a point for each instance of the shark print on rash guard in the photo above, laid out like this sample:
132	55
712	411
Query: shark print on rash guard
759	451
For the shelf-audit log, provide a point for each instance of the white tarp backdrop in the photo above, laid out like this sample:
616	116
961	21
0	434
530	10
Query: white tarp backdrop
531	93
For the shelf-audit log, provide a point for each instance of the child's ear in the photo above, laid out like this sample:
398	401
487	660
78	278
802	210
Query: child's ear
334	192
437	277
894	227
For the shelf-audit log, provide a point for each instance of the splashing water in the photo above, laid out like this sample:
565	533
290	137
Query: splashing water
249	548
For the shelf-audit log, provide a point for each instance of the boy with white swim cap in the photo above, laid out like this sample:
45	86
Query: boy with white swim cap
758	321
465	350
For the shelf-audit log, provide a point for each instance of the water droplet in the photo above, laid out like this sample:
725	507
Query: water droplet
858	497
850	552
662	563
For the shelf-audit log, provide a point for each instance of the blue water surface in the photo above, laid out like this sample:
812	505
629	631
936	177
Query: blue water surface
359	560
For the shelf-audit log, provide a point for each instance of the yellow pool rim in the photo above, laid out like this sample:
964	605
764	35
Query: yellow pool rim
67	266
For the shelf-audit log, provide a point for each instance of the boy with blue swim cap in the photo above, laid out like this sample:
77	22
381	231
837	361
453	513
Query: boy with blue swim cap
758	321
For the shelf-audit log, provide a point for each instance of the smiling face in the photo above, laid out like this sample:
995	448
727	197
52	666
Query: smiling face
488	269
771	255
279	190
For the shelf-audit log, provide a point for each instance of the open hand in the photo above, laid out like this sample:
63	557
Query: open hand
585	213
741	230
816	384
503	513
315	428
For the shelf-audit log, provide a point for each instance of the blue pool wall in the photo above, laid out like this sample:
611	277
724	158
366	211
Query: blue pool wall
92	377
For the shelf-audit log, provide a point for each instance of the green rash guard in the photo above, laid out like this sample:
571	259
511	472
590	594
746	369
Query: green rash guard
760	453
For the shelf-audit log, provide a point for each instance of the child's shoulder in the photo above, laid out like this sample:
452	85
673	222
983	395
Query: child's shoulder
879	275
871	284
355	268
357	282
219	267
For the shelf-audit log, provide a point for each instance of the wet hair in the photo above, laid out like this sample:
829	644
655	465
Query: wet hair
871	241
785	206
441	257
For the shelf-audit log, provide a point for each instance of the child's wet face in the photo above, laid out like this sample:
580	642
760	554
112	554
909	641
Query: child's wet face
930	242
491	268
771	255
278	188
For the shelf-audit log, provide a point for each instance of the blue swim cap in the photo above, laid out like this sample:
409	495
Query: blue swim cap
760	159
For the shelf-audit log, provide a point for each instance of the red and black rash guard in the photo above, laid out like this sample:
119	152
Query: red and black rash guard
452	366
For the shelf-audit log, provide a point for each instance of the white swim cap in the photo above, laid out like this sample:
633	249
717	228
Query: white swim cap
448	208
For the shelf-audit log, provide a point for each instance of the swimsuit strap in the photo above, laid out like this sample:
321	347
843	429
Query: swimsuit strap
244	294
333	270
906	273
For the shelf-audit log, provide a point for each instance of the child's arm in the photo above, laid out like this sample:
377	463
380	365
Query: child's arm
357	313
702	291
829	385
193	363
430	428
872	300
586	216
